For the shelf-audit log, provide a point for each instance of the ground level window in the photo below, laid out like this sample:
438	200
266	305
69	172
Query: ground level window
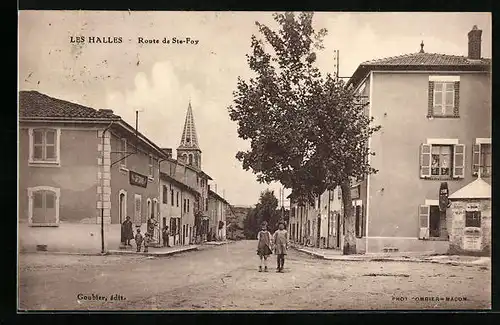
44	206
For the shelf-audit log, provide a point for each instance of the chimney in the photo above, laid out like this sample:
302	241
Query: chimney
167	151
475	43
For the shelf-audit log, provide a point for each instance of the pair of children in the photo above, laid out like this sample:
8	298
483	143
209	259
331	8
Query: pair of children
279	241
139	239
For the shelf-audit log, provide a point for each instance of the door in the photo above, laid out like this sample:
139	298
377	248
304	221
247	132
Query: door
44	207
121	205
338	230
318	237
137	209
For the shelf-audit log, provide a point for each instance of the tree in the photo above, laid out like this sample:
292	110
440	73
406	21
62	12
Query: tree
265	210
307	131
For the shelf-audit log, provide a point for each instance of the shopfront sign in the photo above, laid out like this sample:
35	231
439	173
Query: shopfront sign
443	196
138	179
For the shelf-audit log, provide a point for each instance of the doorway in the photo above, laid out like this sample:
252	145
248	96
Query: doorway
337	223
434	221
121	205
318	236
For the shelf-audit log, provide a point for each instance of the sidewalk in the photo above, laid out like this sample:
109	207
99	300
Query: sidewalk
153	251
416	257
218	243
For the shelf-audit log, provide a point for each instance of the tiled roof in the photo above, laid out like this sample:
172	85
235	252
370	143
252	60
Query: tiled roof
420	61
33	104
478	189
429	59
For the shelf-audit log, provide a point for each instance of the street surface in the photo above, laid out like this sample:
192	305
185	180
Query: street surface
227	278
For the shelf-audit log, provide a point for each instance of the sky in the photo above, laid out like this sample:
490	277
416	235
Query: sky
160	80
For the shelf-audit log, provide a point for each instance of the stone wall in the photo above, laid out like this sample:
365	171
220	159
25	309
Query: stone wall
457	216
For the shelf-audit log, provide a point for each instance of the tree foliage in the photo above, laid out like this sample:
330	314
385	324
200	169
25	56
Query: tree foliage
265	210
307	130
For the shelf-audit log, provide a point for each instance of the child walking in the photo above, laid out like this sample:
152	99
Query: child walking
280	239
147	241
138	239
264	246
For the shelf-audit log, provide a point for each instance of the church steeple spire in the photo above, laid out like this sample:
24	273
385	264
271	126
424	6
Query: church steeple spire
189	138
189	150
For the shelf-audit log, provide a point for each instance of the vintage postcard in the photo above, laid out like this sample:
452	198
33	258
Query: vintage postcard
329	161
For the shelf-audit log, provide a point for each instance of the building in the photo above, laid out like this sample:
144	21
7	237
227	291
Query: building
189	154
177	209
77	167
319	224
83	171
469	219
435	113
217	210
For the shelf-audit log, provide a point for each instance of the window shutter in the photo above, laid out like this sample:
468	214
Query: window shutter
458	160
457	99
423	221
430	108
425	160
476	156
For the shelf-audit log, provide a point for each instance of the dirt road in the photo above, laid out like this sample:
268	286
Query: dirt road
226	278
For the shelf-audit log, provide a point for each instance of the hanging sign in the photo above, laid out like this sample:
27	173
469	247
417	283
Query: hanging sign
138	179
443	196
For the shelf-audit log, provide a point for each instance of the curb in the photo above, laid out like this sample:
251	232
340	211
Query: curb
384	259
64	253
218	243
157	254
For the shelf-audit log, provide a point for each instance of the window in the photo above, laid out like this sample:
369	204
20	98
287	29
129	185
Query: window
190	159
165	195
473	219
123	154
184	205
43	206
173	226
44	146
481	158
177	199
151	167
188	203
443	96
172	197
444	93
206	204
339	193
442	161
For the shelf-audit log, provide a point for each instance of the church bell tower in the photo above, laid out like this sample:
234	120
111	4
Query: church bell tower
189	151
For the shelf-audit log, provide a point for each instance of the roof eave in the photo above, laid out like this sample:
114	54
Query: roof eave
364	69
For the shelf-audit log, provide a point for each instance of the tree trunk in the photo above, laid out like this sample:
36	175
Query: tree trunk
349	220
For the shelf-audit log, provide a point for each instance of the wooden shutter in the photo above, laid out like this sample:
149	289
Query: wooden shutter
476	159
458	160
456	99
425	160
423	221
430	108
